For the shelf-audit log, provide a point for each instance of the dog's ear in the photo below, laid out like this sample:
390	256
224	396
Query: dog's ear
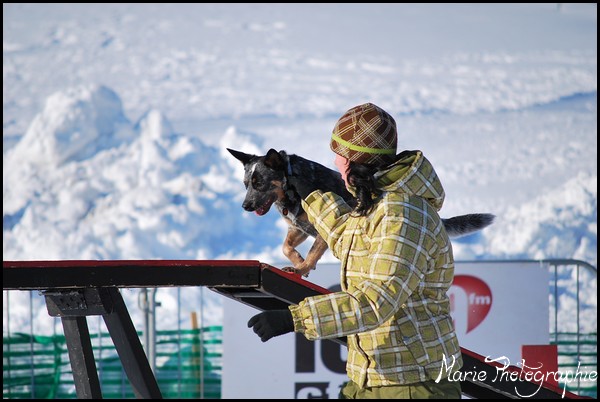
240	156
274	160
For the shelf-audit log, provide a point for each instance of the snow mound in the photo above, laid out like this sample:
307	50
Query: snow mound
74	125
560	224
95	193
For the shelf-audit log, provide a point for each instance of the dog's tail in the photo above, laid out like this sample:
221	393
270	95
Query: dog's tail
466	224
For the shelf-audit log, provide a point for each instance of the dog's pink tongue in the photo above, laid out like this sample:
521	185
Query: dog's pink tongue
262	210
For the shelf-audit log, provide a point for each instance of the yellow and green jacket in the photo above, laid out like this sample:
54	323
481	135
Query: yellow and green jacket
396	268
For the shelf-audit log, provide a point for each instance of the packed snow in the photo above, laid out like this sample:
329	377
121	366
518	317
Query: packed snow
116	120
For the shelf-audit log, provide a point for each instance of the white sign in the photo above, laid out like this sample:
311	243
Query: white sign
497	307
500	306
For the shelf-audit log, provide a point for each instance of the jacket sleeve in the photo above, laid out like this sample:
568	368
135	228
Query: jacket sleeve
388	277
329	213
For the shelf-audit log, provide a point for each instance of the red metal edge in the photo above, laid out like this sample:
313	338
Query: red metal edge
119	263
514	369
295	278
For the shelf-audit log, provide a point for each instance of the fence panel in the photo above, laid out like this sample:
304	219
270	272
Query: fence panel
189	365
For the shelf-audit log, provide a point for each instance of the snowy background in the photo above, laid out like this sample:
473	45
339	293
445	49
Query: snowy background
116	118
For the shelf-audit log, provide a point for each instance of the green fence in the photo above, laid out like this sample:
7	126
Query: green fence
188	365
577	353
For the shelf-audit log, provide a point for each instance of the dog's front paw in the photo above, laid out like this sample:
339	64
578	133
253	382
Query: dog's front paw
290	270
304	271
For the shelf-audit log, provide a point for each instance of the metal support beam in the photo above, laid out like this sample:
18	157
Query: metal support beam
73	305
147	303
130	349
81	357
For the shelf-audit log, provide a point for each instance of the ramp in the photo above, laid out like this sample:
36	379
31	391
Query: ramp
75	289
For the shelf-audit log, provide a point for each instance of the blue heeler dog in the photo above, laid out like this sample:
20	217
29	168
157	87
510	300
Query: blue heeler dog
266	184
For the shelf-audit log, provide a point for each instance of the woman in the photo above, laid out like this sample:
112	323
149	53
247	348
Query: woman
397	266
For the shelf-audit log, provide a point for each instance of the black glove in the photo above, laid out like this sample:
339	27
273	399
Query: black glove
302	186
272	323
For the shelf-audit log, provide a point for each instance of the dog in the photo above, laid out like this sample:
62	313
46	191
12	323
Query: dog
266	182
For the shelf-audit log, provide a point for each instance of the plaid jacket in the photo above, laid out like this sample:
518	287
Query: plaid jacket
396	267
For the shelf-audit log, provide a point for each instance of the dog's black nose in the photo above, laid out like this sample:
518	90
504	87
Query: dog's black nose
247	206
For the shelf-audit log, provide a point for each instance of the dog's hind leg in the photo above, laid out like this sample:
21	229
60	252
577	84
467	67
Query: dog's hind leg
302	266
293	239
314	255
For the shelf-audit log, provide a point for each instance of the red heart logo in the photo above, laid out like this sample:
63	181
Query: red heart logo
479	299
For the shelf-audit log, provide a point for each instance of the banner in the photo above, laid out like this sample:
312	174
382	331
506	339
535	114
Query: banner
496	306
